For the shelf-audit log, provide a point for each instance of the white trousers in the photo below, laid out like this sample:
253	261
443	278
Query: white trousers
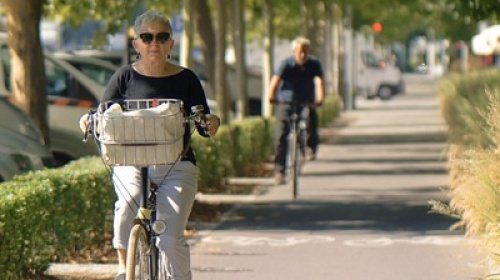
175	198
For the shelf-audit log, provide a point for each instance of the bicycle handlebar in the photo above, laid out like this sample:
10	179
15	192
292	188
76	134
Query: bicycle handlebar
197	116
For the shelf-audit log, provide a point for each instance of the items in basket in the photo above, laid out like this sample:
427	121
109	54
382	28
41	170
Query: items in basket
142	137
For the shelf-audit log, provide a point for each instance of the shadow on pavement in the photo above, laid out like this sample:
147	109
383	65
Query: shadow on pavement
380	215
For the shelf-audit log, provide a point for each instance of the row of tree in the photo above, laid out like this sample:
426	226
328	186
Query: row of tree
215	24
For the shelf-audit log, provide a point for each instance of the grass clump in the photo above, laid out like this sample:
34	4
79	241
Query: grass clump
470	105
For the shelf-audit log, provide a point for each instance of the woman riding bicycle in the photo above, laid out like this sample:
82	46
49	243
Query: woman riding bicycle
153	76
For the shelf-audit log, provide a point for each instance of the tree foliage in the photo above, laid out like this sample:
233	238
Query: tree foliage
401	18
398	17
477	9
115	14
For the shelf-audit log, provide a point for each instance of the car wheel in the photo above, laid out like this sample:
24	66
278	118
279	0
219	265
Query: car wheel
60	159
384	92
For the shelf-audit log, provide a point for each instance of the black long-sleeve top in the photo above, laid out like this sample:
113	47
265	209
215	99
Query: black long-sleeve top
127	83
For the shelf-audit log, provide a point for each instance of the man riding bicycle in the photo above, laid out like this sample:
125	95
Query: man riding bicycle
298	79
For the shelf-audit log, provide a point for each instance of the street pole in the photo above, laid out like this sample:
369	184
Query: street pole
348	58
268	58
431	51
186	35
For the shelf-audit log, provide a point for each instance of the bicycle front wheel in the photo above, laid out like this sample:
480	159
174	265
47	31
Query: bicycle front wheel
295	165
138	266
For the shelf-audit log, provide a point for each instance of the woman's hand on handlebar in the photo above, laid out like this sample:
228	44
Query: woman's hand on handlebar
316	104
212	124
274	101
84	123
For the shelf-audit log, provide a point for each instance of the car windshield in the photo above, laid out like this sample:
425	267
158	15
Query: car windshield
60	83
370	59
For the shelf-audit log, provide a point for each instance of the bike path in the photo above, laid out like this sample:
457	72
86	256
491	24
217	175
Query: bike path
363	206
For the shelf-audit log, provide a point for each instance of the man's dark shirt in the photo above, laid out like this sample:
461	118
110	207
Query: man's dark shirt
299	79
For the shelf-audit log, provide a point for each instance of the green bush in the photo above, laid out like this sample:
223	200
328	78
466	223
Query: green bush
464	103
234	146
48	215
328	111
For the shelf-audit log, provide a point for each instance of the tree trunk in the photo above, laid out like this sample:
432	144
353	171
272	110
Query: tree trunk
187	35
27	62
336	27
239	50
207	35
268	58
223	100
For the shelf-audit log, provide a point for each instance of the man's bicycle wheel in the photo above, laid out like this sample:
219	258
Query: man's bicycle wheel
295	165
138	266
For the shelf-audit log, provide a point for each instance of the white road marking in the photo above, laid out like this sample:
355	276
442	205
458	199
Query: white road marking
424	240
268	241
287	241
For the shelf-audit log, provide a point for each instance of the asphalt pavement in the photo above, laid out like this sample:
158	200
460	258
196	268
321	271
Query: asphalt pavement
363	208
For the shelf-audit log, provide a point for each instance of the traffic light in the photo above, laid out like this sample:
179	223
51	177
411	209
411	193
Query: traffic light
377	27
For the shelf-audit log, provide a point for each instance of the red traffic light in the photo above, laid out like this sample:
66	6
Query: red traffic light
377	27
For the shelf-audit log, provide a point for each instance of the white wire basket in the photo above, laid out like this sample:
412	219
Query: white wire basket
140	132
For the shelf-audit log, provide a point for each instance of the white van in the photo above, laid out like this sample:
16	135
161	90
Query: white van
373	75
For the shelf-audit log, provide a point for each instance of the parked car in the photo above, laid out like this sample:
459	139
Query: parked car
114	57
377	77
71	94
22	147
373	75
100	71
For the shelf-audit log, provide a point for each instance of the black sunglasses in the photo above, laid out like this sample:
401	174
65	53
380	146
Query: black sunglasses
161	37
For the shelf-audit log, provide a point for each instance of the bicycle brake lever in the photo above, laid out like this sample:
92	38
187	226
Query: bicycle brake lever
87	127
200	118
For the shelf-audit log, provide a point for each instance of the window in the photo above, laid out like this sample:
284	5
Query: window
57	80
60	83
370	60
97	73
5	56
63	84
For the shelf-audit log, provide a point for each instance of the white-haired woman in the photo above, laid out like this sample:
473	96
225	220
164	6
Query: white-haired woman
153	76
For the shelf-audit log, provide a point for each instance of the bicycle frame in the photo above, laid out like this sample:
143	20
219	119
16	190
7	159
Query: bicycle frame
297	139
143	256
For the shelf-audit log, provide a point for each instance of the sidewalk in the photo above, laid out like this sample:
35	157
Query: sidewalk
362	210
